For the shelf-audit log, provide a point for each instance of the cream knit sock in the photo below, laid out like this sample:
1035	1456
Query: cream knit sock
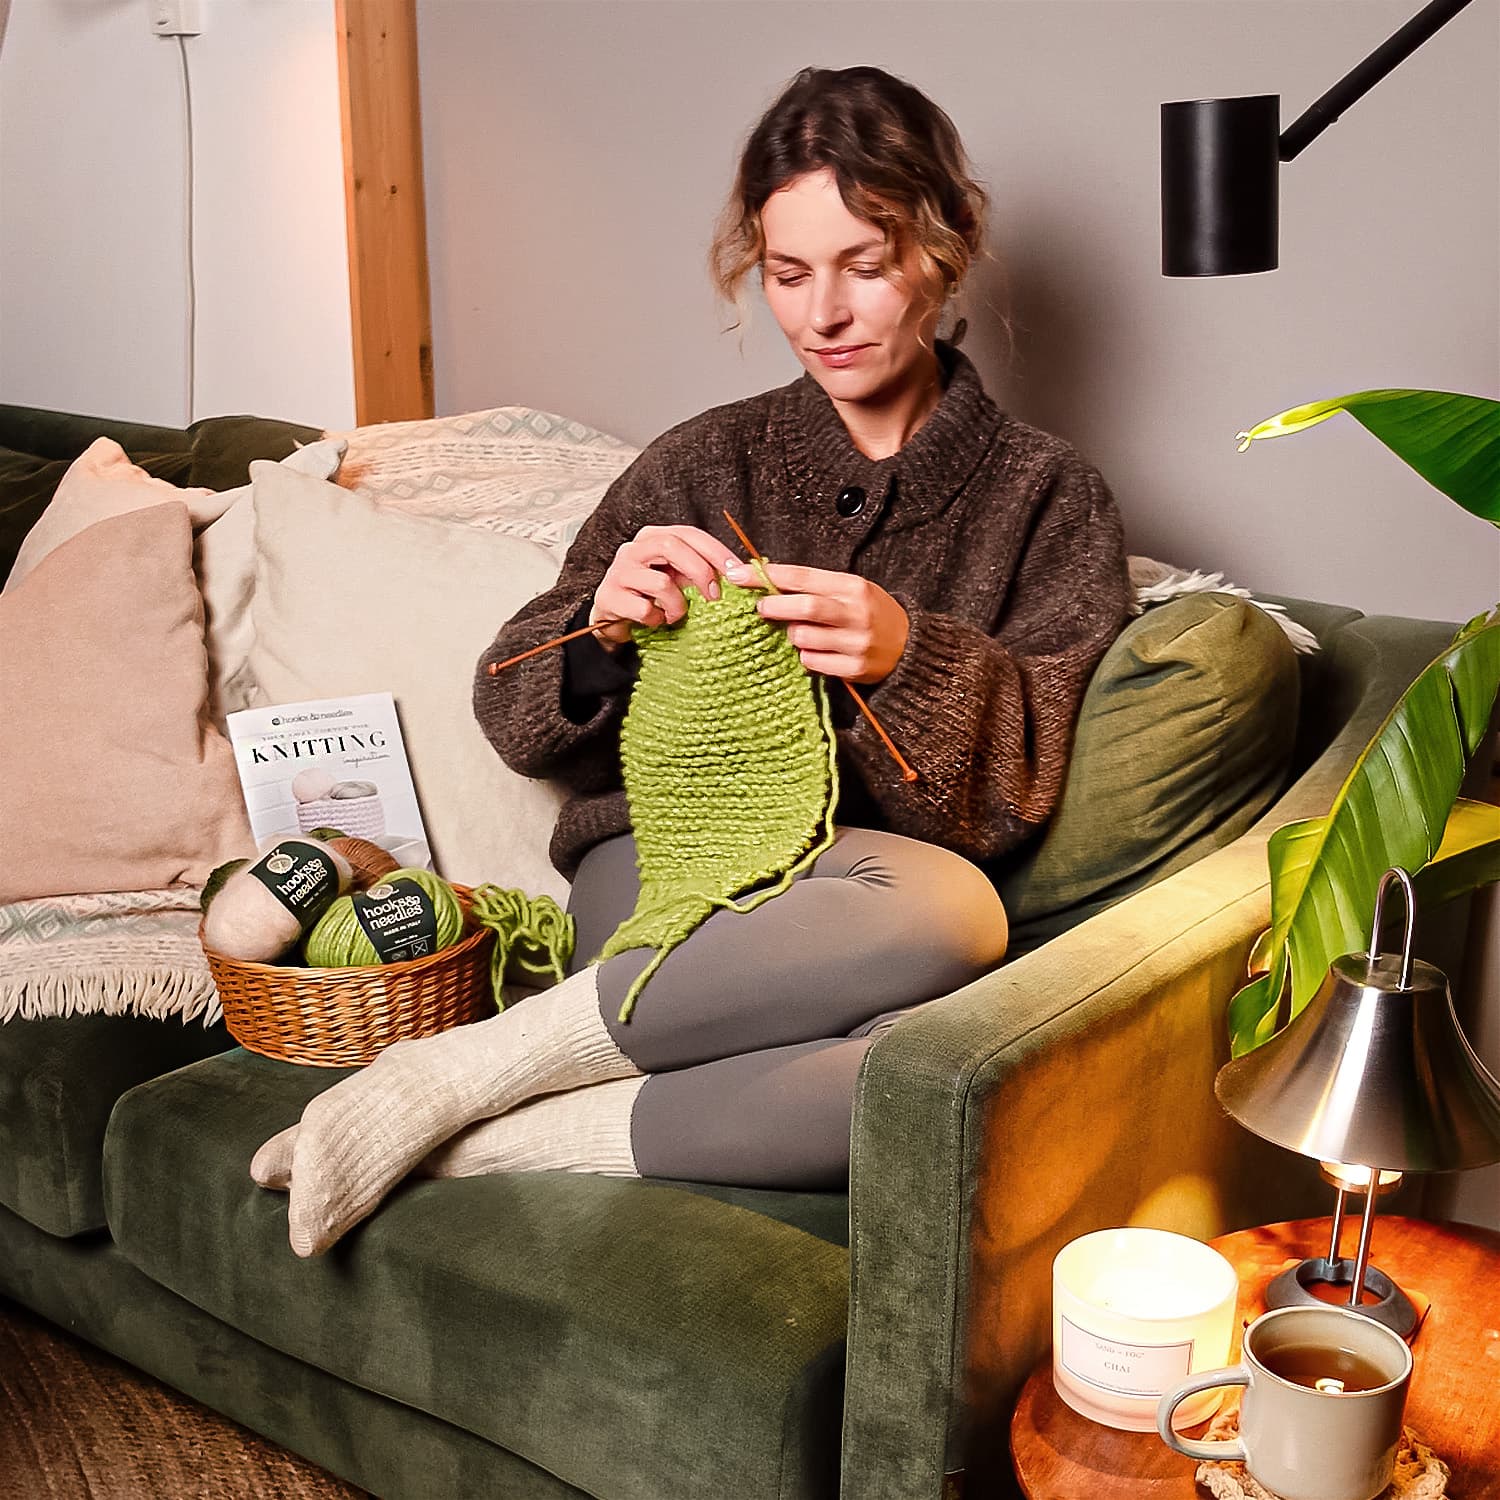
583	1130
363	1135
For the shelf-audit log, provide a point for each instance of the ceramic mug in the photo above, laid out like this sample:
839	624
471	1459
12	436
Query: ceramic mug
1325	1391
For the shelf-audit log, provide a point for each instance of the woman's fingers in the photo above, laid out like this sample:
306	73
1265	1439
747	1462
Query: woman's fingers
695	556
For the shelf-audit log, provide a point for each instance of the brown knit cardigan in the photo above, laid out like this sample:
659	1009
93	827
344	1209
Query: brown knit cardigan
1002	545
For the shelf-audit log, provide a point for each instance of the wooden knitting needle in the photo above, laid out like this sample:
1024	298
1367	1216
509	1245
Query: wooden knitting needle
495	668
907	774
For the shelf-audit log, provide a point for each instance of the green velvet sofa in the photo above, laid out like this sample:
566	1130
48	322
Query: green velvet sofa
540	1335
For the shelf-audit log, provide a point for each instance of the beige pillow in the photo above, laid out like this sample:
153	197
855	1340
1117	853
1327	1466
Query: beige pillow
353	598
112	780
102	482
224	560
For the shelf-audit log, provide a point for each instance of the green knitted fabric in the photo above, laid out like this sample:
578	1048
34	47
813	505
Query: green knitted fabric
730	771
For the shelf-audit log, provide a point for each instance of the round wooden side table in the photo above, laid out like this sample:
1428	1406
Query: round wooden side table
1454	1405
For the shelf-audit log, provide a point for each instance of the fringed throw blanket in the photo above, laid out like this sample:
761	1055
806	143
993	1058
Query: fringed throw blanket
730	768
121	953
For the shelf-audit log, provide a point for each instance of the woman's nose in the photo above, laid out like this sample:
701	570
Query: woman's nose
828	308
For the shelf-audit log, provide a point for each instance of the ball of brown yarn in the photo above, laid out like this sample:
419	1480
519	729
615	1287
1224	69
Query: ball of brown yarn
368	861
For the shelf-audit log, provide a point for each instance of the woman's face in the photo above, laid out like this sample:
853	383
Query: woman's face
858	332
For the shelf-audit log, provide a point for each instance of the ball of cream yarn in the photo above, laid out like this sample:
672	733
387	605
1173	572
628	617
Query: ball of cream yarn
246	921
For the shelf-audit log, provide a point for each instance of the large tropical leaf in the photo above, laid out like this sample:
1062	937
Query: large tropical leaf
1452	441
1393	809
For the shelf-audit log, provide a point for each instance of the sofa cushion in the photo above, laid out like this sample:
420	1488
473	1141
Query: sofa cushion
217	450
59	1079
352	597
636	1339
113	782
1184	738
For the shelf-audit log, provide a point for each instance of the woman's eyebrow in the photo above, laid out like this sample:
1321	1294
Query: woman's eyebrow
782	258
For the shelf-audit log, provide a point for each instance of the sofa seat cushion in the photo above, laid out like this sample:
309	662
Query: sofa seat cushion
59	1079
635	1339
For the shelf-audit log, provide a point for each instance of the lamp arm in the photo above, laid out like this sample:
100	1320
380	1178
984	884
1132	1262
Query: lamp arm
1358	82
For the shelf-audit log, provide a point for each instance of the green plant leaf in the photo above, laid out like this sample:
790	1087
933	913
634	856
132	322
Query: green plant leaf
1452	441
1393	809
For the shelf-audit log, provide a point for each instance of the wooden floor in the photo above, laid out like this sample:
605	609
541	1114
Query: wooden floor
77	1424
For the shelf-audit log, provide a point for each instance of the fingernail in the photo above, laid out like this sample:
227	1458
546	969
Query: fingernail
713	589
736	572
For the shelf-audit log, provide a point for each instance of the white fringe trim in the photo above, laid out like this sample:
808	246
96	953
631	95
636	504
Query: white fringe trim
158	993
1155	582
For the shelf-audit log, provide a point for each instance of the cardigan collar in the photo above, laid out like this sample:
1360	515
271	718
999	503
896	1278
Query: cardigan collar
914	483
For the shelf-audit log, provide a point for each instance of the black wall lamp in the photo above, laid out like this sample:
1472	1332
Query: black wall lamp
1219	160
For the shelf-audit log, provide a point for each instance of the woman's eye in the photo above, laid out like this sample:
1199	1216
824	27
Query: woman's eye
790	280
867	271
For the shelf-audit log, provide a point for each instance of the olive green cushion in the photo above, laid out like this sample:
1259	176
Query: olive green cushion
1184	738
217	450
59	1079
635	1339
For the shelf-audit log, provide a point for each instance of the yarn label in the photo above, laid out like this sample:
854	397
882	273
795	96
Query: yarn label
399	919
300	876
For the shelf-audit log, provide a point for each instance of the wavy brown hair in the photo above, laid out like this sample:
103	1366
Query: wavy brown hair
898	162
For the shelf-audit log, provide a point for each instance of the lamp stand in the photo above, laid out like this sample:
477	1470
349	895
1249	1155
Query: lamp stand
1294	1287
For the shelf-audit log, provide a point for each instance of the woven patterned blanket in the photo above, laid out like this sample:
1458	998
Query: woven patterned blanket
512	469
121	953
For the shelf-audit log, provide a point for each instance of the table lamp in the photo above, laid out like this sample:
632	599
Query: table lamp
1374	1077
1220	160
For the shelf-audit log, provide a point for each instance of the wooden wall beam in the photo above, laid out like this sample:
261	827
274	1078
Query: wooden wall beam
385	209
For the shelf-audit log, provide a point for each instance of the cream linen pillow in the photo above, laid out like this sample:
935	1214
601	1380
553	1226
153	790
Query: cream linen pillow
224	560
353	598
112	779
102	482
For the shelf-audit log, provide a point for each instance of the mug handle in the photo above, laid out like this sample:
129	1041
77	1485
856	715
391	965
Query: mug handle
1224	1450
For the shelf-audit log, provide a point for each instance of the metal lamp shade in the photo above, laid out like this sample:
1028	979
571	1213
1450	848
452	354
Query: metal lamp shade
1373	1073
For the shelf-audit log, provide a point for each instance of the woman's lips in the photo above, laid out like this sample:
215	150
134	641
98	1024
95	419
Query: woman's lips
840	357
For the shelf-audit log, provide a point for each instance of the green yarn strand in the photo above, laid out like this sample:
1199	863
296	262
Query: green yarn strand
730	769
532	933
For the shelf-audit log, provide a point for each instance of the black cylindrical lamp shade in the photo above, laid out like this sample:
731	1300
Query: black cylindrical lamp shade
1219	164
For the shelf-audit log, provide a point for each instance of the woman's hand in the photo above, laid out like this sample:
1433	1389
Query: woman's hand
841	624
645	581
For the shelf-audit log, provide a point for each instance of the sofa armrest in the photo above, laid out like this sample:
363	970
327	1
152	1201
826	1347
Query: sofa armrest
1068	1091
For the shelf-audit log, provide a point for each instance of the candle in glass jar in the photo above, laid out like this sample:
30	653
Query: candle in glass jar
1134	1312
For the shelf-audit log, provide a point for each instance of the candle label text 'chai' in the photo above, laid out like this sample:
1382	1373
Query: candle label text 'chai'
1128	1369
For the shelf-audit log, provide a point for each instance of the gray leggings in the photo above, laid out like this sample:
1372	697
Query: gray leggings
753	1030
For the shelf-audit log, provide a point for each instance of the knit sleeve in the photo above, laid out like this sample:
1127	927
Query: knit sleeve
521	711
986	720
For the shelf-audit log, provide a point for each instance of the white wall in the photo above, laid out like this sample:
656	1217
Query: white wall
93	280
578	150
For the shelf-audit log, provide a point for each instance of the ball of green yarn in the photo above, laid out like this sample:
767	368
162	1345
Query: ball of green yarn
337	941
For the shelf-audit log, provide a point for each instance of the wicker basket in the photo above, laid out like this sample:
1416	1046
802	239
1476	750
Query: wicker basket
341	1018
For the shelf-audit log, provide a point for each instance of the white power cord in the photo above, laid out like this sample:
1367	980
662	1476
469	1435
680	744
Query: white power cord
191	210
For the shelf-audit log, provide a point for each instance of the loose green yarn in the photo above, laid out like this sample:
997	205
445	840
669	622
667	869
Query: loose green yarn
532	932
730	770
337	941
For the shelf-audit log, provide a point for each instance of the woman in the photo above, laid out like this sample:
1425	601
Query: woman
965	569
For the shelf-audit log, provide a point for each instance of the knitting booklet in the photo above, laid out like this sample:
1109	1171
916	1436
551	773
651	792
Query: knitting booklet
332	763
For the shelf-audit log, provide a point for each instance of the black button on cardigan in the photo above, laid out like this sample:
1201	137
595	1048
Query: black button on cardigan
850	501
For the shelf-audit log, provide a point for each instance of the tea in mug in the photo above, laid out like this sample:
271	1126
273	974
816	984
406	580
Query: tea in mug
1323	1367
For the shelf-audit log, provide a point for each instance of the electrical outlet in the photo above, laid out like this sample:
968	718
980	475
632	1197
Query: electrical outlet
175	17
